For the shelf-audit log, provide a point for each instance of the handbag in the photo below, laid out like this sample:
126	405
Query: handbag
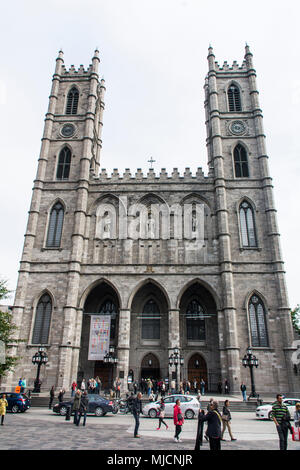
225	417
179	417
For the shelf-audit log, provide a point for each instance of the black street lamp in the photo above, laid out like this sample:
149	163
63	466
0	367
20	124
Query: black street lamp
38	359
175	359
110	358
251	361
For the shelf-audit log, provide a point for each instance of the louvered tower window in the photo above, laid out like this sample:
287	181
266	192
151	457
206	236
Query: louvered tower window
42	320
64	164
247	224
234	99
55	226
258	325
72	101
151	321
240	162
195	323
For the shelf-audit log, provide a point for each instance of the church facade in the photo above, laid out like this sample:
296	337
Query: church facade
154	261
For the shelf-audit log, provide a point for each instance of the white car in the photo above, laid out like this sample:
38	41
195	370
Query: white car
264	411
189	406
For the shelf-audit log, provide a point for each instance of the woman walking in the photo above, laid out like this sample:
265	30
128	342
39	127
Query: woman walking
3	406
226	418
51	397
161	414
178	420
76	407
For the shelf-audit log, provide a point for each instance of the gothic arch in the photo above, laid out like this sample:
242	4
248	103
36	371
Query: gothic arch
92	286
259	294
247	199
144	283
205	285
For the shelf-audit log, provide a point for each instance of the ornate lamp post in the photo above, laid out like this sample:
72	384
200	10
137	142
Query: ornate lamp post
38	359
110	358
175	359
251	361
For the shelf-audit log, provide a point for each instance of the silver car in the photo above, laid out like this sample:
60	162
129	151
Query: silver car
189	406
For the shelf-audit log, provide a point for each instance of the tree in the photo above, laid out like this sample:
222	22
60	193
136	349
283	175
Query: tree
7	330
295	314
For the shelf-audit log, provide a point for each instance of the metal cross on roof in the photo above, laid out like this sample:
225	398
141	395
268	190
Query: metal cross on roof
151	161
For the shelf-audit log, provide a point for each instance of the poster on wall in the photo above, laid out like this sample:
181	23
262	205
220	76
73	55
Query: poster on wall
99	337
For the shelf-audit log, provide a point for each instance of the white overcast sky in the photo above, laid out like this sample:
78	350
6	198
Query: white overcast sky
153	58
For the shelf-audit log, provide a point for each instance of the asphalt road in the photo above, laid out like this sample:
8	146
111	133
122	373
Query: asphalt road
41	429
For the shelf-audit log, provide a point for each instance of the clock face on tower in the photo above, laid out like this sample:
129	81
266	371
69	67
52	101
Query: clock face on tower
67	130
237	127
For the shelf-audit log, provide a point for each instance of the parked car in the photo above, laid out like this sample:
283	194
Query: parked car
17	402
189	406
98	405
264	411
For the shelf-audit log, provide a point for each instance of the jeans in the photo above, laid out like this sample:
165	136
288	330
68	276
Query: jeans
81	413
76	417
283	436
137	423
178	430
244	395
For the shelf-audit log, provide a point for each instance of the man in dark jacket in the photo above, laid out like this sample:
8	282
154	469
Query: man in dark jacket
84	404
214	421
136	410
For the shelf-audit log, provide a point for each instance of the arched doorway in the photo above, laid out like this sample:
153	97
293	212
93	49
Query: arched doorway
197	370
150	368
103	301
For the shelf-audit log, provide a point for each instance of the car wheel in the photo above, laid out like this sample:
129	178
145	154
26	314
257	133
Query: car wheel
63	411
14	409
99	411
189	414
152	413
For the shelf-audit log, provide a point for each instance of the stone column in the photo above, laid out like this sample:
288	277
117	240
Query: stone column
123	347
174	339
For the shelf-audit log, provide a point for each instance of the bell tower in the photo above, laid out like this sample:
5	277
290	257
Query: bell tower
238	161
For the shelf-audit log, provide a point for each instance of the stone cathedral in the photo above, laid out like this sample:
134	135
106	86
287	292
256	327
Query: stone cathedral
146	263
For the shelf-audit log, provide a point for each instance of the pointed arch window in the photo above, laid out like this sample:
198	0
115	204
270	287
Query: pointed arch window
55	226
151	320
247	225
64	164
108	307
258	325
195	323
72	101
240	162
234	99
42	320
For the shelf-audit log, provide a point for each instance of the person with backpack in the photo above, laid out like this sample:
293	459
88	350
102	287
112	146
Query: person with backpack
178	420
161	414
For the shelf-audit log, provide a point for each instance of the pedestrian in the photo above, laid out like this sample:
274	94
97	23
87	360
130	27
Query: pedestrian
202	386
195	386
226	418
208	408
118	388
199	436
136	411
220	387
214	421
226	387
281	417
178	420
24	385
83	385
135	387
20	384
3	406
73	388
163	389
51	397
161	414
173	385
76	407
83	409
61	395
244	391
297	416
